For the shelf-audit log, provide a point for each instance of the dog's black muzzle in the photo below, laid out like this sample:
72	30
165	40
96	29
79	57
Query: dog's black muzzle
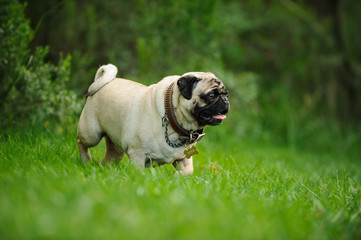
209	114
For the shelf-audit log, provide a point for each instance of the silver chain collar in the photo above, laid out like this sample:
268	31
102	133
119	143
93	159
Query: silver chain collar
193	137
165	125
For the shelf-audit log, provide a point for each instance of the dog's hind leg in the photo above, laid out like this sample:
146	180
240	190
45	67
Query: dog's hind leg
87	138
84	151
84	145
112	154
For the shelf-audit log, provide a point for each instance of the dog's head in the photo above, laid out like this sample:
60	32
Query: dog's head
205	97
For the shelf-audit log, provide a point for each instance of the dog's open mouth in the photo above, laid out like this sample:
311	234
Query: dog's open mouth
221	115
211	117
216	119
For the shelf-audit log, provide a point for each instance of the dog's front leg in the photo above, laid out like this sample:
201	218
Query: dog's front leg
138	158
184	165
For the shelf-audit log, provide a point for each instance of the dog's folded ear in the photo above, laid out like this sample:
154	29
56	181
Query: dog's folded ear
186	85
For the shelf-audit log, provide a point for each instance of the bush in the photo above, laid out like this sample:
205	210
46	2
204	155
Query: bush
33	90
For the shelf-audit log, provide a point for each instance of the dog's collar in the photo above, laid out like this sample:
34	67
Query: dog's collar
185	136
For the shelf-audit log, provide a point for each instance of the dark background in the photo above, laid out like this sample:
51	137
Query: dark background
293	68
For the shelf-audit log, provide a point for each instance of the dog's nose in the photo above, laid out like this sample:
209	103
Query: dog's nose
224	99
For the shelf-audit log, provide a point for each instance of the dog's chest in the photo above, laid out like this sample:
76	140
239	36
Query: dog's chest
158	150
167	154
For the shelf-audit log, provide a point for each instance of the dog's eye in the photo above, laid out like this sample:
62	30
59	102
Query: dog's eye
211	96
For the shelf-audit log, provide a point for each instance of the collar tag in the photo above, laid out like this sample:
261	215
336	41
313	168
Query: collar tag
191	151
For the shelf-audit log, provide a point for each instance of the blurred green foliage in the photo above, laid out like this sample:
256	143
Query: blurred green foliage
33	90
293	67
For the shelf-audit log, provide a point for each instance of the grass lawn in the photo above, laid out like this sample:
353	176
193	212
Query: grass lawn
239	190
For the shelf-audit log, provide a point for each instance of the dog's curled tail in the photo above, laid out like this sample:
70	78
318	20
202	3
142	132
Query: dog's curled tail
104	75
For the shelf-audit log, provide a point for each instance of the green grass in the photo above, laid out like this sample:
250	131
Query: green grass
239	190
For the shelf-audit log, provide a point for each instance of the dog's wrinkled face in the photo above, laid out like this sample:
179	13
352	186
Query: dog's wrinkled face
206	97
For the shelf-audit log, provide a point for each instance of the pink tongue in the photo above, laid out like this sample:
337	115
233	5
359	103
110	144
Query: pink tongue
221	117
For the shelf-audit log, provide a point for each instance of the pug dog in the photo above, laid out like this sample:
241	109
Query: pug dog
160	123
